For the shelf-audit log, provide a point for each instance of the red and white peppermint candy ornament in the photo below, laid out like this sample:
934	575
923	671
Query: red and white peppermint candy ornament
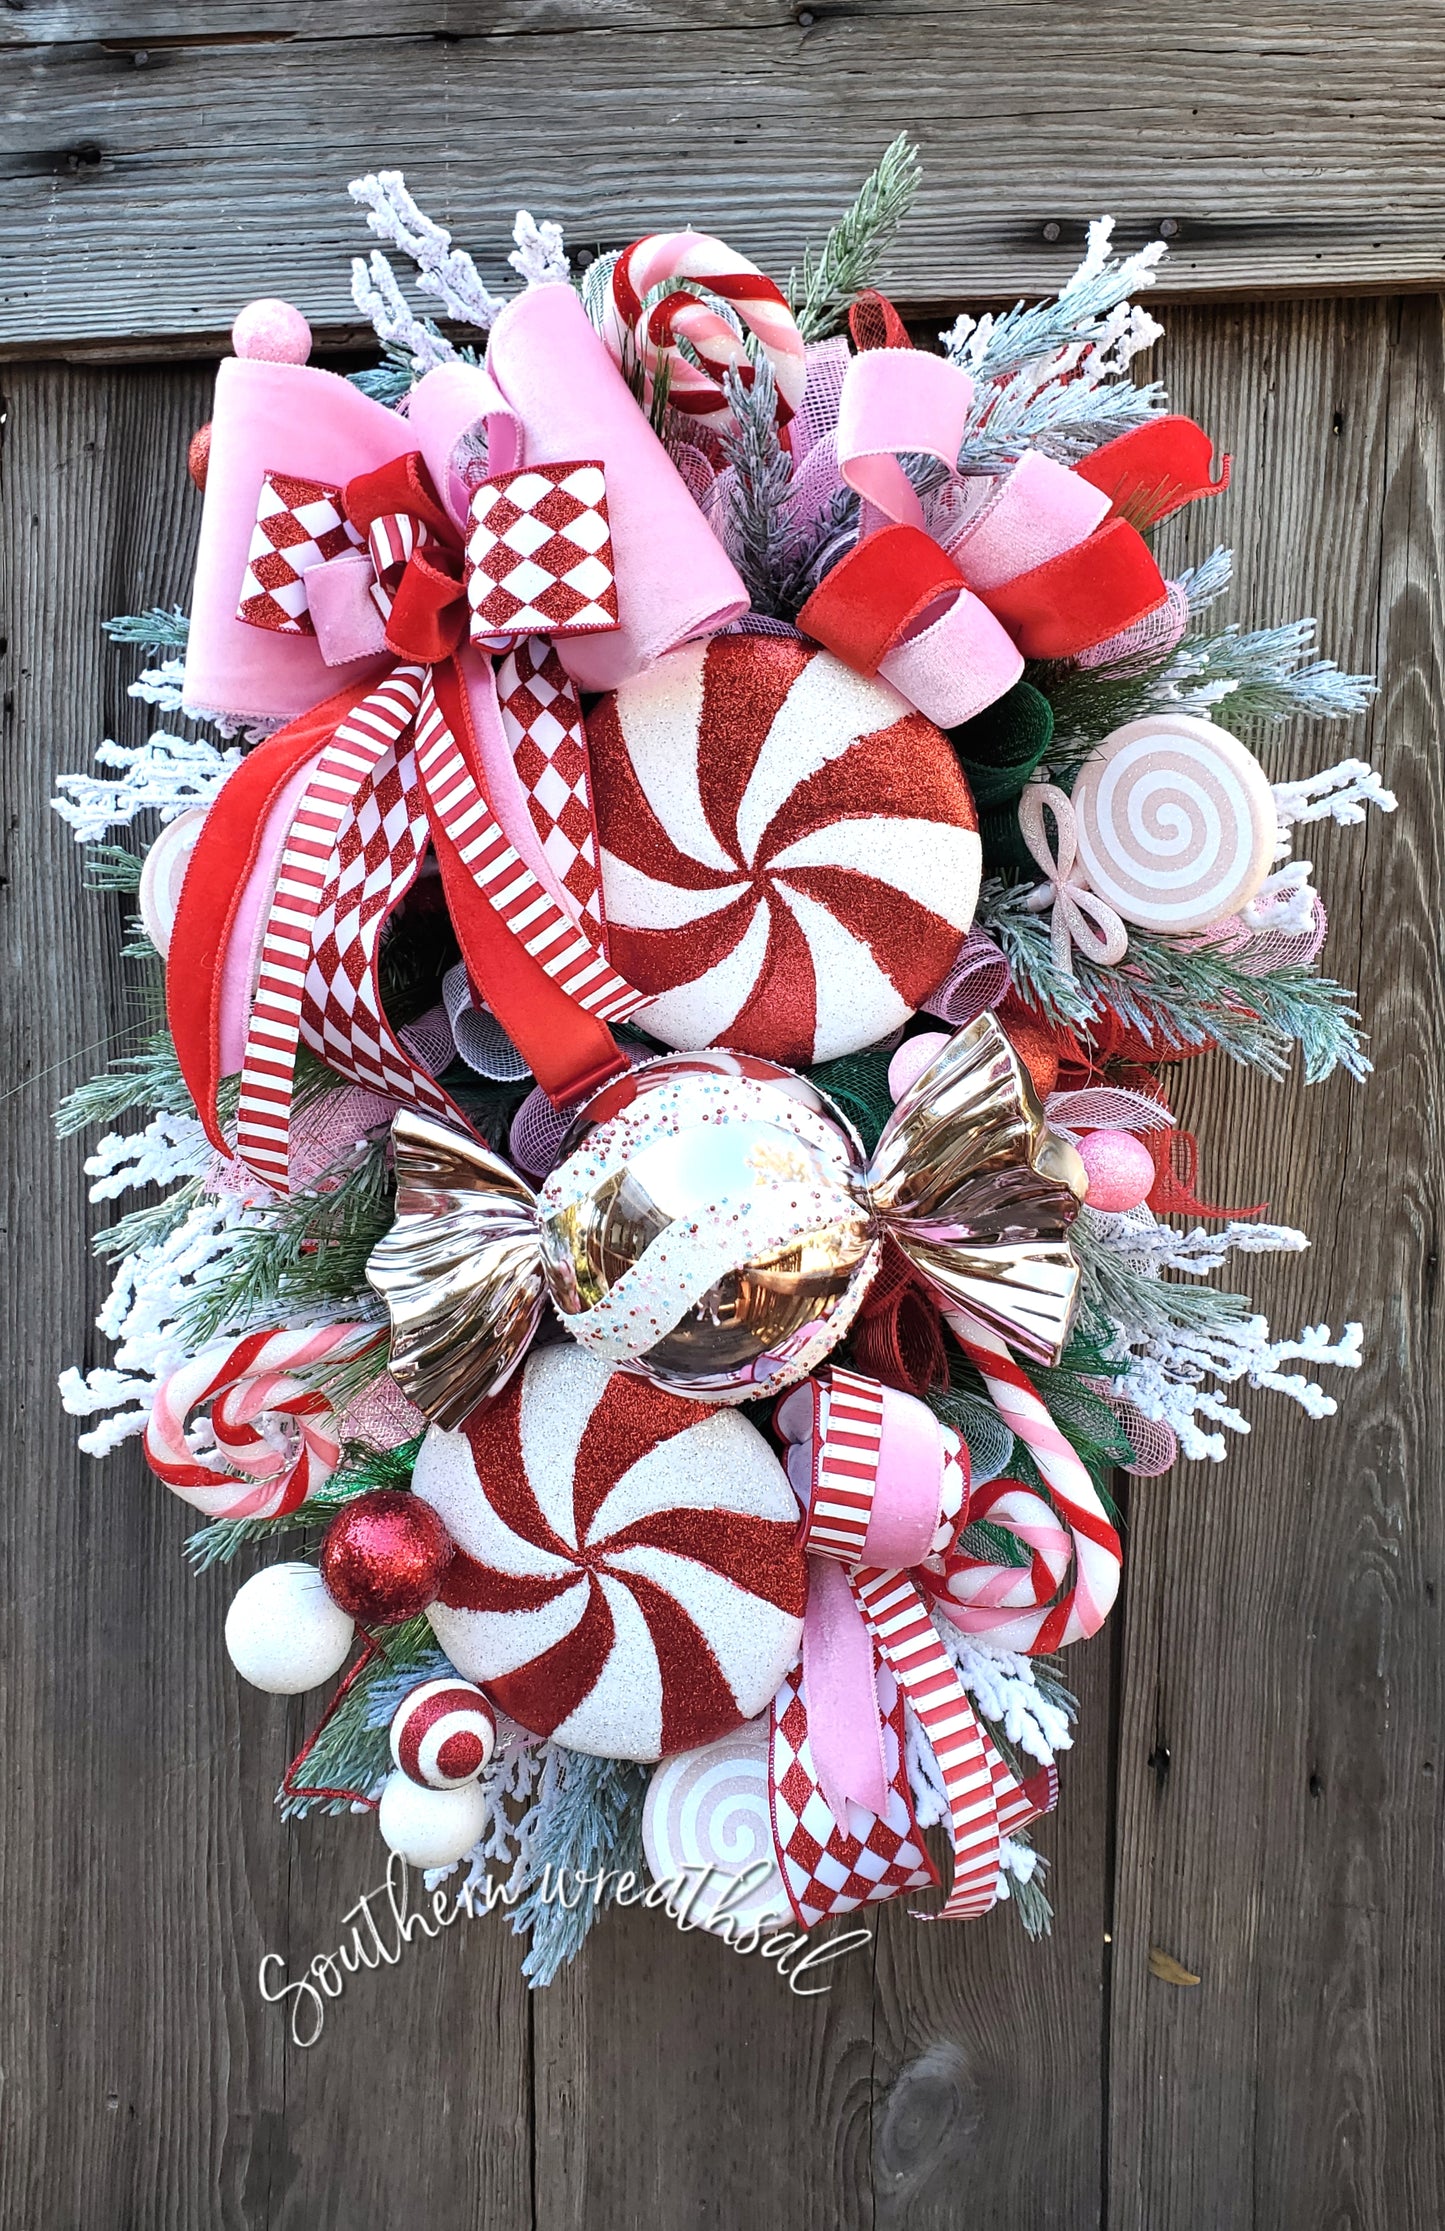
275	1438
628	1578
688	265
443	1733
790	853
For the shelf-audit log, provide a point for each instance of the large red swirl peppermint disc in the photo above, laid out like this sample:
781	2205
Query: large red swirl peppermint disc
789	852
628	1576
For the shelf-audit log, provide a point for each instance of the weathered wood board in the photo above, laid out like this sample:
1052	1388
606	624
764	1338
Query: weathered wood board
162	163
1256	1788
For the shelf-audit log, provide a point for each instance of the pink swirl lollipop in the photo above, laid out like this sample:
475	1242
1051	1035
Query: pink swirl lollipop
1175	822
697	265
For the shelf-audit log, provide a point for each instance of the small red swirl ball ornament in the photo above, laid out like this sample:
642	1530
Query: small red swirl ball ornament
385	1556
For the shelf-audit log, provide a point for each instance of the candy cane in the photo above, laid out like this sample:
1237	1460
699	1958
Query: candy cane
1015	1607
243	1380
698	261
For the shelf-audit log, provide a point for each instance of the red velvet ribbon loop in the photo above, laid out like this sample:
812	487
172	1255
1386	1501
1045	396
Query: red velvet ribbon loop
1155	469
1083	596
874	596
428	605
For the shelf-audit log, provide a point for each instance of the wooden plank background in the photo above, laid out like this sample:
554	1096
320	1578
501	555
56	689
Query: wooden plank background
1256	1790
164	162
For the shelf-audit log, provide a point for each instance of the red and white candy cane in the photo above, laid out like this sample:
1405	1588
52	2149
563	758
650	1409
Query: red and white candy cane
244	1381
695	261
1015	1606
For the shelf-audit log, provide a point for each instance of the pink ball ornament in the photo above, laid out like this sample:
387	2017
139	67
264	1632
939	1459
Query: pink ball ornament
1121	1170
912	1058
272	330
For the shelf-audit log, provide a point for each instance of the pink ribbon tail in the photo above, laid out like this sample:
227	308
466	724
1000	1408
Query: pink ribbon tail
844	1723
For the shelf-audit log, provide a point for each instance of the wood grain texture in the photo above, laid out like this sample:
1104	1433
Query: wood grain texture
1281	1707
161	167
1269	1701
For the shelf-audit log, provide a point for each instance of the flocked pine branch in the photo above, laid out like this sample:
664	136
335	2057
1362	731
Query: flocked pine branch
587	1818
161	628
1262	674
759	536
300	1254
1083	314
832	277
1181	993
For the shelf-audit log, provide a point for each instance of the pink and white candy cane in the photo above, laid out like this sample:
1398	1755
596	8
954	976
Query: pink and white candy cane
696	261
1015	1607
246	1381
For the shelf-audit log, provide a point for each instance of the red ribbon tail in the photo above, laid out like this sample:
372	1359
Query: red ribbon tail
1155	469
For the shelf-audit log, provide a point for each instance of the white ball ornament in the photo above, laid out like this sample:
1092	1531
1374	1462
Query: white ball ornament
284	1633
430	1827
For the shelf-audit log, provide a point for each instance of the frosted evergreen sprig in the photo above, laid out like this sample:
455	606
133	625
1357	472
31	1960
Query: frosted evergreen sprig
445	272
160	628
831	277
758	519
1262	674
1083	314
301	1254
586	1819
1181	993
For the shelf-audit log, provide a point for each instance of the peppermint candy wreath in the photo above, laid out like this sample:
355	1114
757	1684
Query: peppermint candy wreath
693	848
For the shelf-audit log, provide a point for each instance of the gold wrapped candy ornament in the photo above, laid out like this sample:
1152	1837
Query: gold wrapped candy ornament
713	1225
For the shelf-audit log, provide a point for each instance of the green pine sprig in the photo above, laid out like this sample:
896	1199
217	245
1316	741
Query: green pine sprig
832	277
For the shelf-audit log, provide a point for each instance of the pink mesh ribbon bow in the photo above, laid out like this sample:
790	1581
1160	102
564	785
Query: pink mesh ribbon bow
884	1484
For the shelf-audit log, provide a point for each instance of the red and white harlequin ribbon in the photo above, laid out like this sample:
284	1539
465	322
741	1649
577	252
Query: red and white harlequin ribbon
311	866
1071	1537
245	1382
875	1462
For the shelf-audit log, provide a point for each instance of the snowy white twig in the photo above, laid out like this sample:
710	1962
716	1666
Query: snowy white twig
167	775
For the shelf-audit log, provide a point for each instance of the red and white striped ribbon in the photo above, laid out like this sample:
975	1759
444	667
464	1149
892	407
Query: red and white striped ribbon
1017	1608
243	1381
846	1474
986	1801
391	539
269	1067
981	1789
551	936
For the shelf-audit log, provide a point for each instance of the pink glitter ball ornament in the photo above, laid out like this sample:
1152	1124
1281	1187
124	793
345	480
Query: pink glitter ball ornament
272	330
1121	1170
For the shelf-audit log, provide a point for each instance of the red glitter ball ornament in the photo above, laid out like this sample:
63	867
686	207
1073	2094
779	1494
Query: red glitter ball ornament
384	1557
198	456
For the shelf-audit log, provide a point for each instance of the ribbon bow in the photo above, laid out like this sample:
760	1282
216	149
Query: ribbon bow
1080	917
884	1484
947	601
347	553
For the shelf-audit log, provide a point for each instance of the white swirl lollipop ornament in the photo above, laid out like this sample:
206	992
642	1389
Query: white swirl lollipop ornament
1175	822
711	1807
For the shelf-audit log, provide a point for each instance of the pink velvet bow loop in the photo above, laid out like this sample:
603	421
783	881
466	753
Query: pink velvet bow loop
897	402
1080	918
884	1484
